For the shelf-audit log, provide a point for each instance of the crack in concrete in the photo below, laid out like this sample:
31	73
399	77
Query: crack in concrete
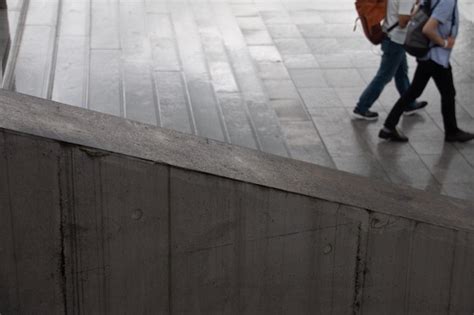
265	238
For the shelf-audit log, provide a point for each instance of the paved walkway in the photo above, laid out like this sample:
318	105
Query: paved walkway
466	7
277	76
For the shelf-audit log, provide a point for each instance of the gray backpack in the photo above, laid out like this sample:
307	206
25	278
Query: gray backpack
416	43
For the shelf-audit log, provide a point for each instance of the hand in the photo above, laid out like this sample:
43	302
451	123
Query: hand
451	42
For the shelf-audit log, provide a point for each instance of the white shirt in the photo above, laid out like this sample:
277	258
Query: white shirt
394	9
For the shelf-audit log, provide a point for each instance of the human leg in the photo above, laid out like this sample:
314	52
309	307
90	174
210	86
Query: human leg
402	82
393	54
423	74
444	82
443	78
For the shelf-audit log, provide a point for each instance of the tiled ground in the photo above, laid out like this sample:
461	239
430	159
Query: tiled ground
278	76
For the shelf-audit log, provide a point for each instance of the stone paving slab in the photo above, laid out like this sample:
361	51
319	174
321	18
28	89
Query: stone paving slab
277	76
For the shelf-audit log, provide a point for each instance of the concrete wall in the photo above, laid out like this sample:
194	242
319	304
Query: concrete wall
158	222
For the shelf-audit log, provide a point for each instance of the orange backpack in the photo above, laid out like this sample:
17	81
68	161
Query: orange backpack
371	15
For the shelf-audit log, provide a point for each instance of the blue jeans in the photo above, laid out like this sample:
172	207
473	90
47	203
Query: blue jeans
393	64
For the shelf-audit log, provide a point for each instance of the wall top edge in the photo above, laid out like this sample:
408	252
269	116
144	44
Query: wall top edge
43	118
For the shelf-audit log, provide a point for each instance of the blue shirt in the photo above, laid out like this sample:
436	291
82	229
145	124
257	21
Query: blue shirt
444	13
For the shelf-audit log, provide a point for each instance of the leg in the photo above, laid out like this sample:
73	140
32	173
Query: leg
393	54
443	79
402	82
423	74
3	4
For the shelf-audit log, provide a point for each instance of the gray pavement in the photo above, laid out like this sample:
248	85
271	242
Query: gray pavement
277	76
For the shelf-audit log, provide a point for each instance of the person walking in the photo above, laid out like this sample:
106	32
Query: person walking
441	28
393	64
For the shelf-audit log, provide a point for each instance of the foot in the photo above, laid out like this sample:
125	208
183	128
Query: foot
415	109
460	136
392	135
368	115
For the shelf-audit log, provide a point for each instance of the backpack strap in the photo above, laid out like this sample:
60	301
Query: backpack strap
453	20
392	27
434	7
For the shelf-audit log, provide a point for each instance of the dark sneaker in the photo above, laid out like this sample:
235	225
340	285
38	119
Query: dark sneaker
392	135
368	115
460	136
415	109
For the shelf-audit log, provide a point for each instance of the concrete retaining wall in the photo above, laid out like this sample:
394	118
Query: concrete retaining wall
157	222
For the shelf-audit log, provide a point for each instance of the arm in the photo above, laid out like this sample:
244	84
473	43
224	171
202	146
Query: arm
403	20
430	30
406	9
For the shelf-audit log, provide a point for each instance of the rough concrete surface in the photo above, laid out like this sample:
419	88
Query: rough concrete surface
103	216
56	121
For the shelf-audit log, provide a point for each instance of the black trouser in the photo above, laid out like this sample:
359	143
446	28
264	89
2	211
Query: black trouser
443	78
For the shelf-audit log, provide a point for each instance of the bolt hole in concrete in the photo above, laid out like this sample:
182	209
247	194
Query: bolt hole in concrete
137	214
327	249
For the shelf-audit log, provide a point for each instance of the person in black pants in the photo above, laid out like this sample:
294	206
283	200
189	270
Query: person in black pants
441	29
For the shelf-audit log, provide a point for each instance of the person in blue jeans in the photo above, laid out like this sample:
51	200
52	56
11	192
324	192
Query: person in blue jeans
393	64
442	29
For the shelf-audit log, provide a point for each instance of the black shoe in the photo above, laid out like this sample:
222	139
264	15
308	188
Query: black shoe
368	115
415	109
460	136
392	135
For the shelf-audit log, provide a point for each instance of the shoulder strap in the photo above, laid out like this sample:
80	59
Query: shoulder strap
434	7
392	27
453	18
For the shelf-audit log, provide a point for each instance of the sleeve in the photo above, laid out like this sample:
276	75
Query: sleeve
443	11
405	6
